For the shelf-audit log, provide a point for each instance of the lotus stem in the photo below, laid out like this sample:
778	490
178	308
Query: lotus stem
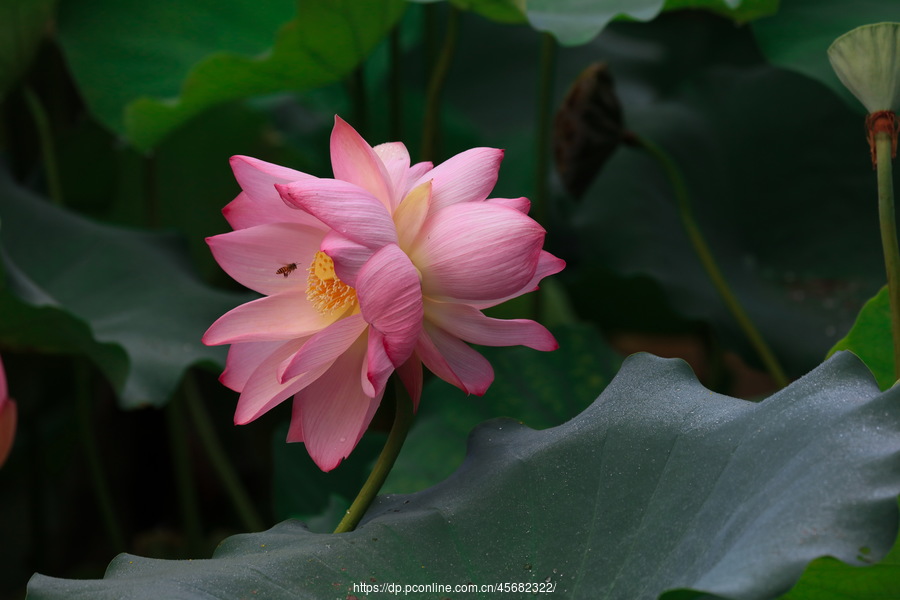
227	475
402	422
151	191
92	453
184	481
432	125
357	88
395	115
544	108
48	149
888	221
701	248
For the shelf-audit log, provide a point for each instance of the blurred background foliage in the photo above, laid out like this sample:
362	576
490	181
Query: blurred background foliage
118	120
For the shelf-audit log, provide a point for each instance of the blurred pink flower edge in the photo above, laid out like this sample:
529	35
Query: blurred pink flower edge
382	269
8	415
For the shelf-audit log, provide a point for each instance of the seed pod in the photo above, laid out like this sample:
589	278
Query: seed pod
587	129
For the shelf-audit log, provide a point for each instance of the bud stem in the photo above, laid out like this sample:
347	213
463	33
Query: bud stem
701	248
431	128
48	150
888	220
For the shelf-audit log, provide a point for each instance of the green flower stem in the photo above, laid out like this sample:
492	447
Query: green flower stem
184	481
544	109
889	235
227	475
92	453
431	126
547	64
151	192
395	114
709	264
402	422
429	36
357	90
48	150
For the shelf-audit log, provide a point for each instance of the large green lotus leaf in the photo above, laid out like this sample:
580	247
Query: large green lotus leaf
659	485
780	181
799	35
145	68
192	178
124	297
871	339
119	51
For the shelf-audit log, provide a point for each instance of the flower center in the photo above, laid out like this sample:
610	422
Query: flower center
324	289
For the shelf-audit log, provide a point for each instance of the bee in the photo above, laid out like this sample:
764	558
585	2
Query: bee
287	269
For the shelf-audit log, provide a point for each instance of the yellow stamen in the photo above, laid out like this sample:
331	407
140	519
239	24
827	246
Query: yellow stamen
323	288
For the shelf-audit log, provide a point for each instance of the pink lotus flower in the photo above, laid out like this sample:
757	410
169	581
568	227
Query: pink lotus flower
384	268
7	418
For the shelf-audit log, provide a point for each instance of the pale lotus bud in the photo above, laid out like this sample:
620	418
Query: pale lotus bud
867	61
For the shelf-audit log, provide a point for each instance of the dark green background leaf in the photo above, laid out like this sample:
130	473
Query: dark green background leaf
125	297
799	35
575	22
503	11
780	181
660	484
147	68
777	166
188	181
119	51
740	12
23	23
